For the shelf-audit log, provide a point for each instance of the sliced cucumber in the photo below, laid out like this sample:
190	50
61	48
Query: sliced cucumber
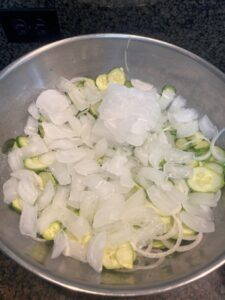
16	205
188	231
50	233
22	141
85	82
46	176
168	88
158	245
102	82
205	180
182	144
202	144
215	167
34	164
8	145
117	75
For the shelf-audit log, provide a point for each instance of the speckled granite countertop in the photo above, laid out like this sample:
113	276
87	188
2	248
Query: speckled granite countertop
195	25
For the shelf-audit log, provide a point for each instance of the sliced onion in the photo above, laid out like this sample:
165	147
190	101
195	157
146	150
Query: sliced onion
101	148
15	159
115	165
32	109
206	126
10	190
178	156
46	196
95	251
197	223
31	126
141	85
86	167
156	176
61	196
61	173
177	171
60	244
70	155
28	220
47	217
208	199
35	147
76	250
166	202
77	225
219	155
58	132
186	129
64	144
178	103
27	191
202	211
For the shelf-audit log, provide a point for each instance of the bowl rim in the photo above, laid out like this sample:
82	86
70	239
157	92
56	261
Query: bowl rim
105	290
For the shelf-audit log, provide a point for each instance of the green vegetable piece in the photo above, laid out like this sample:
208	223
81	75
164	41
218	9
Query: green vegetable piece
158	245
182	144
109	259
33	163
102	82
117	75
46	176
22	141
168	89
128	84
205	180
16	205
125	256
202	145
8	145
50	233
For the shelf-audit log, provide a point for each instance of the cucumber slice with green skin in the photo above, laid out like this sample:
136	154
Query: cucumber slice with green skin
158	245
85	82
8	146
102	82
182	144
34	164
46	176
117	75
215	167
205	180
50	233
168	89
22	141
199	152
16	205
202	145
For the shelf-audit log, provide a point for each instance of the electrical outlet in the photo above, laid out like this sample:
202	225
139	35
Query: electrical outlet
30	25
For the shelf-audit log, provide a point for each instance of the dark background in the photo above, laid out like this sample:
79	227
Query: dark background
198	26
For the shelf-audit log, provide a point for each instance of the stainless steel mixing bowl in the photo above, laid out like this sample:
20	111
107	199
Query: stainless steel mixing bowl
147	59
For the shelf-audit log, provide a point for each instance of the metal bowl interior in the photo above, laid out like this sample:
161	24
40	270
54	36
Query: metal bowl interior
147	59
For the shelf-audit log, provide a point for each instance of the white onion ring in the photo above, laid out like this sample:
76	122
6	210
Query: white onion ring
212	146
